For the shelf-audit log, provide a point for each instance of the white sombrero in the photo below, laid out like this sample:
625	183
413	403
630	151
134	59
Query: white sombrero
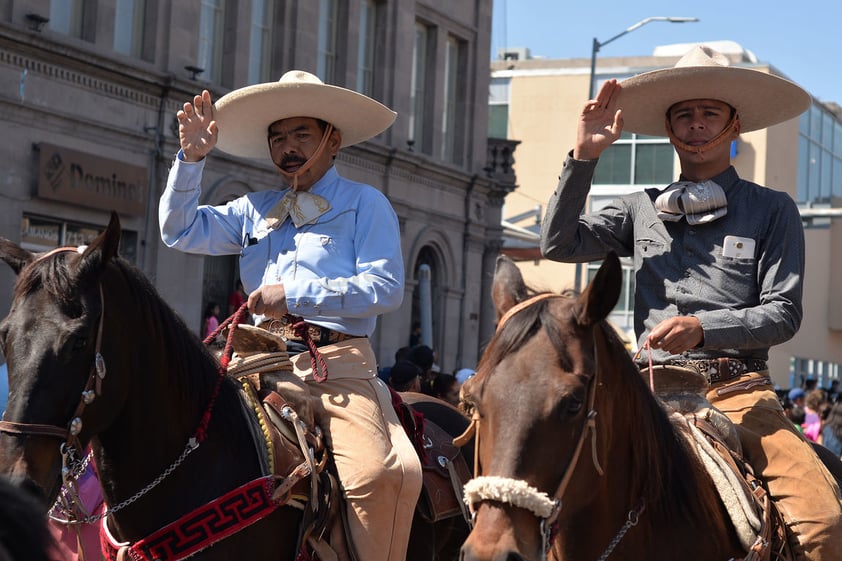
761	100
244	115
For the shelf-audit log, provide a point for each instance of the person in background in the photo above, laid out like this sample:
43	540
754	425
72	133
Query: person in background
464	373
446	387
320	257
813	404
210	321
718	260
415	334
832	430
405	376
833	391
400	354
237	298
423	356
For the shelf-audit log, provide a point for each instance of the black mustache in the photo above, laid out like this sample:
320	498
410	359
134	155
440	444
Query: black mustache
292	160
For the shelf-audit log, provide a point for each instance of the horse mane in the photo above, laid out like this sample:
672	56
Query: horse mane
662	464
155	320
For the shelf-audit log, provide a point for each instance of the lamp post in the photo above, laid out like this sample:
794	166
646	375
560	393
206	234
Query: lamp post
597	44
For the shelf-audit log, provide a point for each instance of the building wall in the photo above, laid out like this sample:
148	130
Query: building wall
79	94
546	97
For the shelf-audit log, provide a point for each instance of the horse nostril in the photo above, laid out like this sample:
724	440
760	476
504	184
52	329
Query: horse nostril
512	556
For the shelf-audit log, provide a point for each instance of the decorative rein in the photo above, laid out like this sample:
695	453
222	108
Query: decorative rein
519	493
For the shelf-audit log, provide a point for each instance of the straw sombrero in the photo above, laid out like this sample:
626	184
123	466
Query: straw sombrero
244	115
761	100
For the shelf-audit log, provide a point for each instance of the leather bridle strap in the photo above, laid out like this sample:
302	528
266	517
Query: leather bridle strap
523	305
33	429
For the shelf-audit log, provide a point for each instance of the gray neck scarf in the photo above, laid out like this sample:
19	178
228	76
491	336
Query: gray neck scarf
699	203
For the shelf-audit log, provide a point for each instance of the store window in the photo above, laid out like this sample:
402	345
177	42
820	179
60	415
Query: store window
40	234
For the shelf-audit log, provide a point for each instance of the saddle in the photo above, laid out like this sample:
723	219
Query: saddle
713	437
288	437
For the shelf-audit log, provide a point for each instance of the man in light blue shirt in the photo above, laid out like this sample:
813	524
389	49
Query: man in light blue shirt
322	249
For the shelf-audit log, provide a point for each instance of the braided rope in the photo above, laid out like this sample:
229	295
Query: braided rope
302	330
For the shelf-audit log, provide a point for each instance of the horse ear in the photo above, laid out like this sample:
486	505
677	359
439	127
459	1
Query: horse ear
508	287
102	250
600	296
14	255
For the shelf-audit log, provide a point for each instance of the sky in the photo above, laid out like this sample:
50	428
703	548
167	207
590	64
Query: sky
801	39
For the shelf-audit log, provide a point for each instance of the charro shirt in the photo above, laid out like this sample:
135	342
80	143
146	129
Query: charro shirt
340	273
745	304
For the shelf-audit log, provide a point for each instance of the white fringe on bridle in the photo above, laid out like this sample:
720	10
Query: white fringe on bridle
509	491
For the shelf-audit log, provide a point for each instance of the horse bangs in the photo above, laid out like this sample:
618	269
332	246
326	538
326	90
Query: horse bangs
52	275
518	329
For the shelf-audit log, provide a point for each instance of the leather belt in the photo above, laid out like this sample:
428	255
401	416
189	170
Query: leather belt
718	370
320	335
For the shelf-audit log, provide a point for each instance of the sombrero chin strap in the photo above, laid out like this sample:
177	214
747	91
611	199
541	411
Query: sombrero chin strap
312	159
711	144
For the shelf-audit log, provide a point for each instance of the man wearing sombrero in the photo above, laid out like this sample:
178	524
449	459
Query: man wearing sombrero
319	247
718	260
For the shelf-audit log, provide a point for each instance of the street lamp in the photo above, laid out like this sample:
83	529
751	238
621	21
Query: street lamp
597	44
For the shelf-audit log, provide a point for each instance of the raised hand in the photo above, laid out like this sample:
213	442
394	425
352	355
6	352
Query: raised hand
197	130
600	123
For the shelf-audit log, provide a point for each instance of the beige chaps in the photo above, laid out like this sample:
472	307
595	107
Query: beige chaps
378	467
803	489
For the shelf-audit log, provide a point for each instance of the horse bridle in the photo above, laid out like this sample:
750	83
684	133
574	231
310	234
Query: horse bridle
519	493
93	388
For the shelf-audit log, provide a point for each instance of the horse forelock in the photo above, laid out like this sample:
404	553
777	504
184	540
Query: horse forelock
52	274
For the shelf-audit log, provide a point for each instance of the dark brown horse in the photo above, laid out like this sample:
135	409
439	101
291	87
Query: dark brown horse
578	457
96	358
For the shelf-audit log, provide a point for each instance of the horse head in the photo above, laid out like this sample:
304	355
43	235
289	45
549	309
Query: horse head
51	339
533	393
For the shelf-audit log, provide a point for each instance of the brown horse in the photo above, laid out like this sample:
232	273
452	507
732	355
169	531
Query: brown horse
578	458
96	358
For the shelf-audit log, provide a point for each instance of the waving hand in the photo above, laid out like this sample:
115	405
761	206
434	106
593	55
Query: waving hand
600	123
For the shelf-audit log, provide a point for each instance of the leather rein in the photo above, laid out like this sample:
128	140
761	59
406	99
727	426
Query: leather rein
546	509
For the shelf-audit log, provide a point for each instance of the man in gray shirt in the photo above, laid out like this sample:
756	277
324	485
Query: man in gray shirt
718	261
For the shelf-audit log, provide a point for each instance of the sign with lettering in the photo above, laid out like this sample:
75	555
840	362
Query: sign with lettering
90	180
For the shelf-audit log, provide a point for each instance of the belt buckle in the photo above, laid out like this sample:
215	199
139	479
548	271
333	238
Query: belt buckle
723	367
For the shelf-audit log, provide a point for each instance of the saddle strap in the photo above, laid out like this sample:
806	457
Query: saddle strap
458	486
772	528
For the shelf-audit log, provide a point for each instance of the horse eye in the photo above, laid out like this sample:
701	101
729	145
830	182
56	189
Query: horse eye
80	343
574	404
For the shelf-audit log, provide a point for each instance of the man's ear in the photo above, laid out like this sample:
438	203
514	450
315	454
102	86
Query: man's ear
738	126
334	142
